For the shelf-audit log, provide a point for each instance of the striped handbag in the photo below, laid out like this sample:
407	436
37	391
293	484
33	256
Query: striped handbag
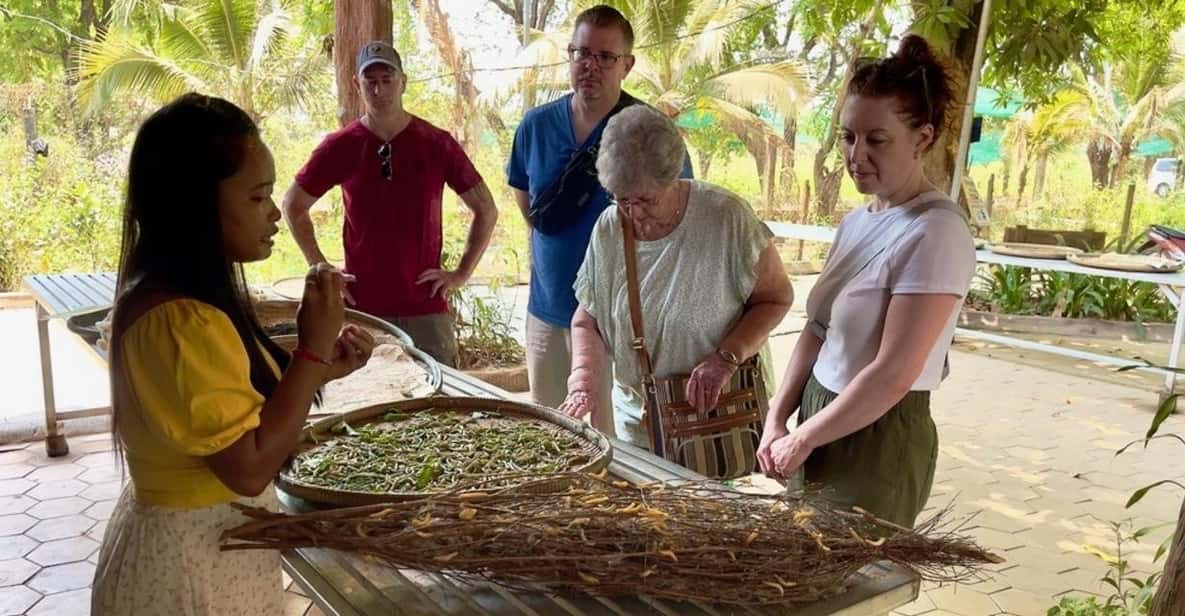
720	443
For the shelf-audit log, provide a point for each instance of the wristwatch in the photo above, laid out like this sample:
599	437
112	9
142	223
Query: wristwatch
729	357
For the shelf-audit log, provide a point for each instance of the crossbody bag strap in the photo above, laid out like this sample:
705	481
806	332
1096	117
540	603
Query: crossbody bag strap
819	326
653	416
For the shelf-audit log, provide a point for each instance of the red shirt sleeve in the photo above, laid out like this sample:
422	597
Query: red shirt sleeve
460	174
328	166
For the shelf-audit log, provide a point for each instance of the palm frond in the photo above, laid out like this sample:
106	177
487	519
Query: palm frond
270	33
117	64
782	85
182	36
229	24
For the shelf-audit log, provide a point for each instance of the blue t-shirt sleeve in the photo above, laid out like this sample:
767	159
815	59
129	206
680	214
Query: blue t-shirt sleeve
516	169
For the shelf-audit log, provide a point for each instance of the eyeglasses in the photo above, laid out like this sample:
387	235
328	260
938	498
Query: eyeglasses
604	59
385	161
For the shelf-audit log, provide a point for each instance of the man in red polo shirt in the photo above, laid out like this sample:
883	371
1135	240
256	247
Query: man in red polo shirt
392	167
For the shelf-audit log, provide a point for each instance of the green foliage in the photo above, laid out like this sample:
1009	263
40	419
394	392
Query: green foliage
1131	594
1018	290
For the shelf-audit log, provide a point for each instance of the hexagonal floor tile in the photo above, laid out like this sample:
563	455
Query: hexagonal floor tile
58	507
96	531
103	491
15	455
15	504
13	471
63	551
17	599
16	546
64	604
15	571
57	489
15	524
104	459
54	473
61	528
13	487
101	510
99	475
53	580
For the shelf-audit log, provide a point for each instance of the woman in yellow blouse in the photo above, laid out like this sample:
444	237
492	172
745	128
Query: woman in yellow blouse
206	407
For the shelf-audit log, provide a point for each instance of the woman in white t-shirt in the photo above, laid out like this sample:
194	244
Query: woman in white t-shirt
711	284
883	311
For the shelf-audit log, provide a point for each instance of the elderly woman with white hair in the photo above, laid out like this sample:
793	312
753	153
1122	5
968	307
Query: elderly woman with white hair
711	285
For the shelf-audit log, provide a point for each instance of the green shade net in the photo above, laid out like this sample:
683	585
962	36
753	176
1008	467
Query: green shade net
990	103
1154	146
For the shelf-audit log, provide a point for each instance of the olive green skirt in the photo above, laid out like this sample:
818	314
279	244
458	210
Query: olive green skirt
886	468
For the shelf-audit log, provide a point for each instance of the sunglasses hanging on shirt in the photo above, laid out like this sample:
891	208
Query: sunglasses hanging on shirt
385	161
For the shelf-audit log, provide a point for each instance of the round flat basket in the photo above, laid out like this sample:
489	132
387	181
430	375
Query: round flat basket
595	449
278	317
433	376
1033	251
1151	264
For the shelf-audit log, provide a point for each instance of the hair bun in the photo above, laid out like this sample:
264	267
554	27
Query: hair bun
915	50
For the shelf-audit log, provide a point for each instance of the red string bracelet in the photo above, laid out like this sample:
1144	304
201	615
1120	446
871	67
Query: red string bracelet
304	353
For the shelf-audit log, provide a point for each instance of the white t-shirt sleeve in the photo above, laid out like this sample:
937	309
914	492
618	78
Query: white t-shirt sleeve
937	256
750	237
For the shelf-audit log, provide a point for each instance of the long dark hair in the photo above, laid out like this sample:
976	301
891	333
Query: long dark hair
915	78
172	233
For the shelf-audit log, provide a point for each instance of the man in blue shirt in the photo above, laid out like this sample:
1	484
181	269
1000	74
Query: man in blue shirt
546	140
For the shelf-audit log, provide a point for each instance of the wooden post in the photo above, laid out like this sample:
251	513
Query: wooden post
806	201
1127	217
990	194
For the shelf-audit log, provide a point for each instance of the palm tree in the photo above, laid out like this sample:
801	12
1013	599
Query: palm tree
242	50
1034	136
686	62
1122	103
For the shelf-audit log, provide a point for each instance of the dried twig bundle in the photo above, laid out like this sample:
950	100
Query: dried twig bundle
688	541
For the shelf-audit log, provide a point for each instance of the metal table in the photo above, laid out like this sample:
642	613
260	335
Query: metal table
1172	286
342	584
60	296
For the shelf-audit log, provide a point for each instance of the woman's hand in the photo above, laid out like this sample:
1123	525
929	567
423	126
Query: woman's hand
789	453
584	395
321	312
706	382
351	351
774	430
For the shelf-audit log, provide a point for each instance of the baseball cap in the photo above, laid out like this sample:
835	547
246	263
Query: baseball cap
376	52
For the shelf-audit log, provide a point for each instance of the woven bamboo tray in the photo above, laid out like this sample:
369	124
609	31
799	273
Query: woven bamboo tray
434	375
273	311
323	431
1127	263
1033	251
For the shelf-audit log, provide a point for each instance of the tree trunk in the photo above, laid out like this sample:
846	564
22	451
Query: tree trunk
355	23
1099	154
940	160
704	164
1007	176
1122	156
827	180
1170	594
789	179
1039	176
771	177
1021	182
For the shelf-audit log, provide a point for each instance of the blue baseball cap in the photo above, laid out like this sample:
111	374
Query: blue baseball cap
376	52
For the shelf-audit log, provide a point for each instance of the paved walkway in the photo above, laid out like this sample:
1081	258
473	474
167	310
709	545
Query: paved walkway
1027	449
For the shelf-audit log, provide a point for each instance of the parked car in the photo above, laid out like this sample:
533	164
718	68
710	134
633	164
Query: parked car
1163	177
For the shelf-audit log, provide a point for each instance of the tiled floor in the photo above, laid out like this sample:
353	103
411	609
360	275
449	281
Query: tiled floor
53	512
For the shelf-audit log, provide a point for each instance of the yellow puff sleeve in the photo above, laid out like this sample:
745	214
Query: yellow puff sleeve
190	374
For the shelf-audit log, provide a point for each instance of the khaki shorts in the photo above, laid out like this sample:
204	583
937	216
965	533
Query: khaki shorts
433	334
